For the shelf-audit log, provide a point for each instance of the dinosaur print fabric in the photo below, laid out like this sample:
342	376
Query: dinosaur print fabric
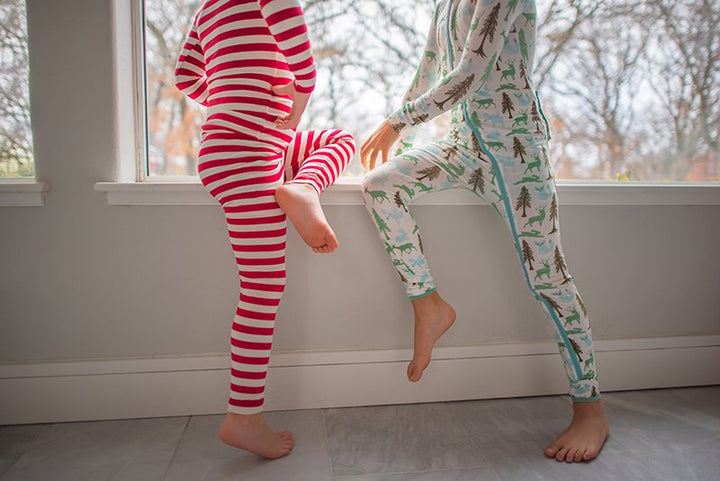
478	64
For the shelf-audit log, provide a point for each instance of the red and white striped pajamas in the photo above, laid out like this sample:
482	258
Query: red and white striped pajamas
234	53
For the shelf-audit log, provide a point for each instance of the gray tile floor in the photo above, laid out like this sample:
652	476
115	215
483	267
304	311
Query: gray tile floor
670	434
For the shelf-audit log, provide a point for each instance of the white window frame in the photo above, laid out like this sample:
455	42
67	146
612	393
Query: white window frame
133	187
23	192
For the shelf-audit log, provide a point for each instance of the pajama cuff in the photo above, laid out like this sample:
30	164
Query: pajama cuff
420	296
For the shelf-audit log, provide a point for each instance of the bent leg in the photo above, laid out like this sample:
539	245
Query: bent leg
387	192
313	161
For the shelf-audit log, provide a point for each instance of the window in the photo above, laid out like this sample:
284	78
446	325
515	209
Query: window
631	88
16	154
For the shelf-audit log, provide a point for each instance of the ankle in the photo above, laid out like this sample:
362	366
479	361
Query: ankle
589	409
244	419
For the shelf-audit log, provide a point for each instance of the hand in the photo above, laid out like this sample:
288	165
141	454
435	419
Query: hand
300	101
378	143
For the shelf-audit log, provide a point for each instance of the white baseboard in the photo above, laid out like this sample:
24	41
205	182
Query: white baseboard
175	386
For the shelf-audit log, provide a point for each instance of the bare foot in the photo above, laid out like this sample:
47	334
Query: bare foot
585	436
301	203
433	316
252	433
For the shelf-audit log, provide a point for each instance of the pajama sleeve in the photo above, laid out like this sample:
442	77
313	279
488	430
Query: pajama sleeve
425	77
286	22
190	76
489	27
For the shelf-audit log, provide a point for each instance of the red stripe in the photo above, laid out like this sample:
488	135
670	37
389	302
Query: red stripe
247	389
264	274
259	316
260	301
257	220
272	261
256	346
256	286
256	331
258	235
246	403
252	361
258	247
247	374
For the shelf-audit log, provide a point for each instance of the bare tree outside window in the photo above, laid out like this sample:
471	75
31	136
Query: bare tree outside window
631	88
16	154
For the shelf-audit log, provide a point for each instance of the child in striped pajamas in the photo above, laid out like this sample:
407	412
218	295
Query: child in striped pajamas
249	62
478	64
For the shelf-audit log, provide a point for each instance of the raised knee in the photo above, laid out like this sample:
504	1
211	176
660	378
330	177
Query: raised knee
346	139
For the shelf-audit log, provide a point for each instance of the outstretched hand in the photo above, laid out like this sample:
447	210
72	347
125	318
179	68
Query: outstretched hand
300	101
379	142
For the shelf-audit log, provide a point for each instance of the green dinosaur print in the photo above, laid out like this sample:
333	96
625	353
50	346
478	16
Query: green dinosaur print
406	189
589	375
484	103
544	271
574	331
529	17
508	87
523	45
379	195
457	92
521	130
521	119
512	5
496	145
405	248
534	165
398	262
532	233
525	180
536	218
430	55
456	170
509	72
545	286
422	186
589	361
574	317
487	73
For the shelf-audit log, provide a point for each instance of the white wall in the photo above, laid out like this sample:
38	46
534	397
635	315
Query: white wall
84	280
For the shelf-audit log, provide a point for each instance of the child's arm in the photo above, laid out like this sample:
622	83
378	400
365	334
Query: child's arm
190	77
488	29
425	77
286	22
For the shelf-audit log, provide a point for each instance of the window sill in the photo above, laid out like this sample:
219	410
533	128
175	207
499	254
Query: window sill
22	193
347	192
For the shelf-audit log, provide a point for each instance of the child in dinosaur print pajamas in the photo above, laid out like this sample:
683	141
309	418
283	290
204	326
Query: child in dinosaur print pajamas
250	63
478	64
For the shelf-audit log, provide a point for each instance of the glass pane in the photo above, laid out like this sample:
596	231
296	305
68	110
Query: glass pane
16	154
631	88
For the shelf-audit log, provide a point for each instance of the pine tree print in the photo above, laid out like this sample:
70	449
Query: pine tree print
398	201
523	75
519	150
559	262
381	225
553	214
450	152
552	303
535	116
476	145
512	5
523	201
429	173
477	181
457	92
507	105
523	45
527	254
581	304
488	29
576	348
422	250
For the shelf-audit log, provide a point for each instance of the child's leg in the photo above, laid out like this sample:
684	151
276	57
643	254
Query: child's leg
243	181
388	191
313	161
523	192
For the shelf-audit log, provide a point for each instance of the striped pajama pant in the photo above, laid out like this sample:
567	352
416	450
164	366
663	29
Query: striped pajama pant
242	173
